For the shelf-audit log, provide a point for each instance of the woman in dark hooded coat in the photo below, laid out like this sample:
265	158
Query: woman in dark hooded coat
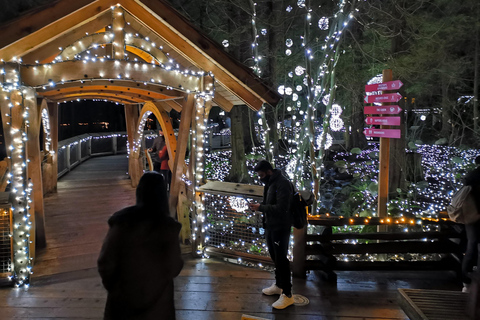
141	256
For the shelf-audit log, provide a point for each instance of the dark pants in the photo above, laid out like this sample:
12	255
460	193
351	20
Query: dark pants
277	243
167	175
471	254
156	166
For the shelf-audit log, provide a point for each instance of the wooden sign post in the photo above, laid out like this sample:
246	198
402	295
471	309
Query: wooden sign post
384	157
384	132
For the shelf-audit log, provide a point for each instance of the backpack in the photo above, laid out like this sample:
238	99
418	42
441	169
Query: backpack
298	208
463	208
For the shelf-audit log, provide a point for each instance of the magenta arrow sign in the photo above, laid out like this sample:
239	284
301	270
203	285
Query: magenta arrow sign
383	133
384	121
390	85
393	109
389	97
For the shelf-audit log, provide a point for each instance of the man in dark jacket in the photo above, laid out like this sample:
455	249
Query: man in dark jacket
157	146
277	196
471	257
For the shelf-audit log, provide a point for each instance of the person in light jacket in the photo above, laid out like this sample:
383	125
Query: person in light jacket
141	256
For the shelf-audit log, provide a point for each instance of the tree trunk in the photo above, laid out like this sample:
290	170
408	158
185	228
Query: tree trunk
356	138
238	172
446	119
475	83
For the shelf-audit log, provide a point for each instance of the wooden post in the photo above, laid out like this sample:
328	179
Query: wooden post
114	144
299	257
188	108
34	173
384	164
53	115
134	168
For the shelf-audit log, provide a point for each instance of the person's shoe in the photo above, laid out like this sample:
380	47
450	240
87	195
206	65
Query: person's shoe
466	288
283	302
273	289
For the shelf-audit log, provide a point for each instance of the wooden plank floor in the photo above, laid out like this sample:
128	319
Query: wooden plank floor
66	285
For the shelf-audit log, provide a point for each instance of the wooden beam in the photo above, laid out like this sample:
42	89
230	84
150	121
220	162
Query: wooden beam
100	96
49	50
188	109
83	44
33	30
137	92
118	84
77	70
222	102
172	104
202	51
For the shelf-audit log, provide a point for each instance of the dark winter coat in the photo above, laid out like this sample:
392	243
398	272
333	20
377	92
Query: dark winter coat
473	179
277	196
141	256
157	146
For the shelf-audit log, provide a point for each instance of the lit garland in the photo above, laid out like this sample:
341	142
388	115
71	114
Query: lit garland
46	130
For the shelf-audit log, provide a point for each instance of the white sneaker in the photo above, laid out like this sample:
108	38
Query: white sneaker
273	289
466	288
283	302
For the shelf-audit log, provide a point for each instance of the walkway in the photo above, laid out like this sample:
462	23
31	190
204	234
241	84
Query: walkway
66	284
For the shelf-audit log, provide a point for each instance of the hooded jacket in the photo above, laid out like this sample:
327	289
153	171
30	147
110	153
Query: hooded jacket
141	255
277	196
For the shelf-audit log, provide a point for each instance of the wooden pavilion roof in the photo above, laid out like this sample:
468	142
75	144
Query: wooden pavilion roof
64	30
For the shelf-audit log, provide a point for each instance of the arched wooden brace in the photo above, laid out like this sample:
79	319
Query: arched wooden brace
35	171
135	147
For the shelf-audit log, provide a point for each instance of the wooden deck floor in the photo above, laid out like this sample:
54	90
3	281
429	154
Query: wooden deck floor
66	285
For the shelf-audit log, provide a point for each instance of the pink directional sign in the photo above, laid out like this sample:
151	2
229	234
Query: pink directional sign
384	121
383	133
393	109
390	85
389	97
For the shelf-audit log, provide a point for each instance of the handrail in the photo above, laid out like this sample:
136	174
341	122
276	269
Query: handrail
75	150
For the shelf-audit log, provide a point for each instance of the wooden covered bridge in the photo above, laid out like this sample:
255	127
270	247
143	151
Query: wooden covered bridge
139	53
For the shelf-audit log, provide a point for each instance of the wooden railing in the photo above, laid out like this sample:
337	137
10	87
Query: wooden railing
75	150
321	251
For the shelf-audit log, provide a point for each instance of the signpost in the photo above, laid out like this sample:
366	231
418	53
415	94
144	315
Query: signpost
393	109
389	97
385	86
385	133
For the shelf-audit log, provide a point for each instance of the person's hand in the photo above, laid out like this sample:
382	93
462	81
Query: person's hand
149	150
254	206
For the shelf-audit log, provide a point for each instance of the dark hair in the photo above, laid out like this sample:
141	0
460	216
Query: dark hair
152	192
263	165
477	160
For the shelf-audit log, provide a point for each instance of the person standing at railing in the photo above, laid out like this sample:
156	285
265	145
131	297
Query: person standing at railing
157	146
164	167
277	196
